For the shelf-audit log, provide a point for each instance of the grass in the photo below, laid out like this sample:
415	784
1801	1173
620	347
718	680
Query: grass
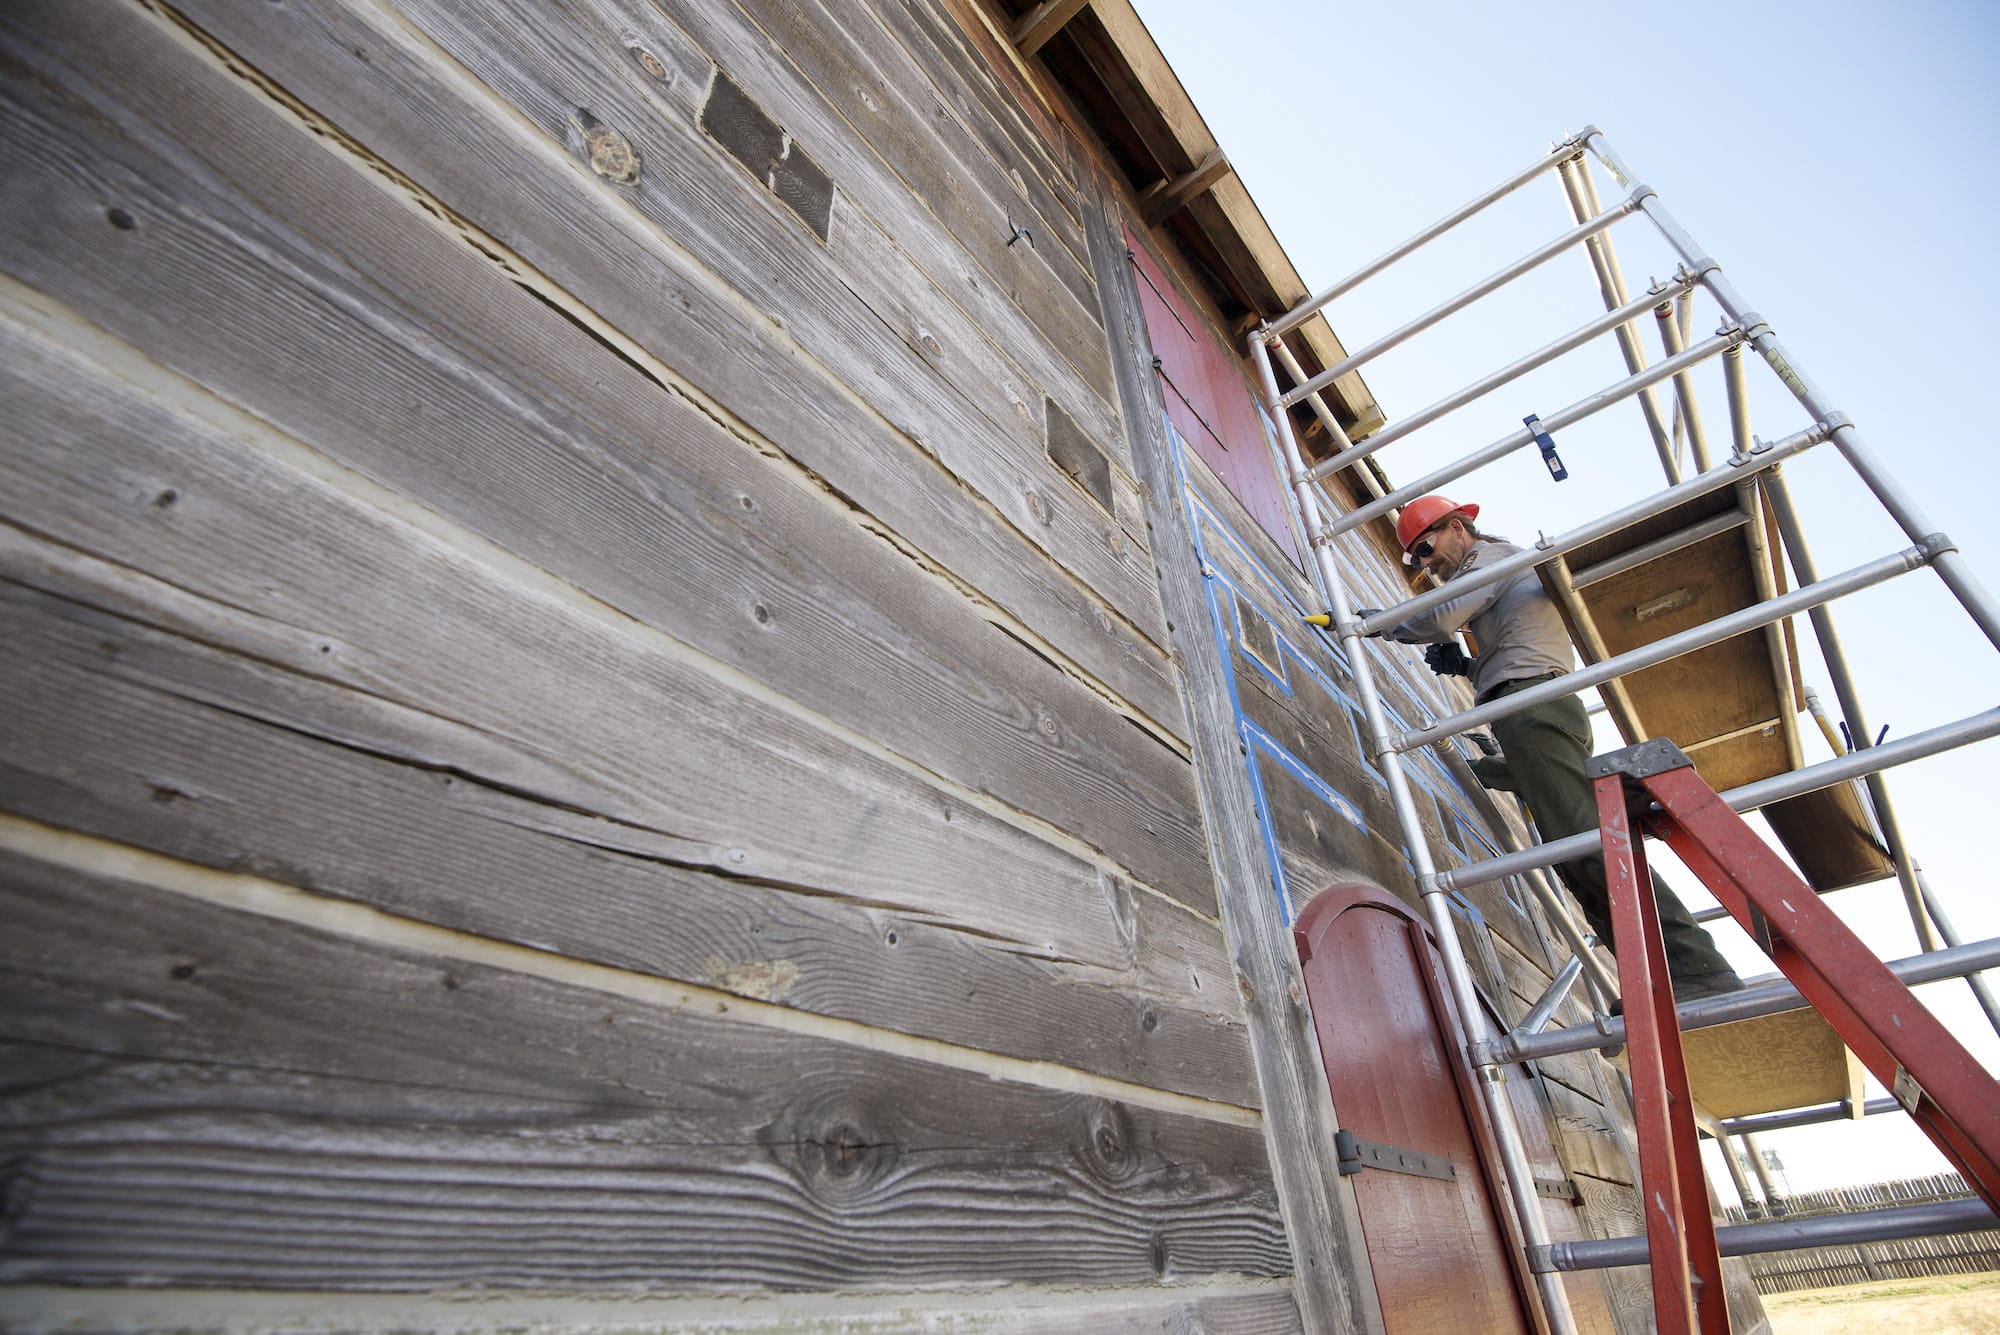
1939	1305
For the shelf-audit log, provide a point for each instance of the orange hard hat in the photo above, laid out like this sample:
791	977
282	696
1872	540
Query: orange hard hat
1425	513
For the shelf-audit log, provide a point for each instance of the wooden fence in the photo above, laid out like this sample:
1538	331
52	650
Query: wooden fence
1828	1267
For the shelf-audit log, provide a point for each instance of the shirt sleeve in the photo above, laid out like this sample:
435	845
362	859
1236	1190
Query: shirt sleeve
1442	621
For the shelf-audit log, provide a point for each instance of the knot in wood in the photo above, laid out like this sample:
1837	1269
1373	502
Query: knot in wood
650	63
843	1162
609	153
1108	1151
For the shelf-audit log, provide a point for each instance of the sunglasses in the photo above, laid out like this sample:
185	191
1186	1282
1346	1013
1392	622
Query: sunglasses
1422	548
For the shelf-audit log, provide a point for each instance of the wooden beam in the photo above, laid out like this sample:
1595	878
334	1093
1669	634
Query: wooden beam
1163	199
1334	1283
1044	21
1557	579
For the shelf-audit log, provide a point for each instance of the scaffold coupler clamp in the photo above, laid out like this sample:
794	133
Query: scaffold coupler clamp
1546	443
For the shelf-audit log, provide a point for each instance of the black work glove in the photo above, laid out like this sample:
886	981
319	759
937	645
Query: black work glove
1485	743
1448	660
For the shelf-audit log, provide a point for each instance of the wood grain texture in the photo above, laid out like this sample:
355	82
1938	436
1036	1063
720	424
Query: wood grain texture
475	157
437	375
1002	117
951	378
1612	1209
206	1097
1334	1287
1586	1135
1012	1310
299	685
1393	1064
969	181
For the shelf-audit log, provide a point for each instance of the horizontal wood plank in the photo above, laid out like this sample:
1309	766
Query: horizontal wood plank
1221	1309
443	133
213	1098
929	140
452	385
964	383
953	55
449	746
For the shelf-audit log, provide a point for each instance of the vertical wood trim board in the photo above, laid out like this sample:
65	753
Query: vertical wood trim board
1334	1287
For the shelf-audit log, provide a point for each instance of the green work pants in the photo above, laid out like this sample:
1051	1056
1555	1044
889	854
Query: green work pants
1543	754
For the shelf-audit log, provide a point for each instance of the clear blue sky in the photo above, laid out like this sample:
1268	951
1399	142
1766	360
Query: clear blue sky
1838	159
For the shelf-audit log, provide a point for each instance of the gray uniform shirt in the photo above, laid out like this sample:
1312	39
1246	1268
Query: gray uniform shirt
1520	633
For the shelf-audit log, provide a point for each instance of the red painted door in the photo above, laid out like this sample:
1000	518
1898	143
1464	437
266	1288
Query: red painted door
1437	1245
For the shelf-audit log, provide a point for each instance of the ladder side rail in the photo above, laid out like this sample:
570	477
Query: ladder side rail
1732	471
1493	282
1515	1167
1581	193
1764	581
1916	746
1952	569
1792	532
1324	413
1908	1049
1553	422
1680	1236
1478	389
1774	1200
1672	342
1735	393
1305	310
1673	646
1981	992
1782	1235
1754	1203
1762	999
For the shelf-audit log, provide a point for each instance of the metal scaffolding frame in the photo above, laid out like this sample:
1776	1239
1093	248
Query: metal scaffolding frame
1749	462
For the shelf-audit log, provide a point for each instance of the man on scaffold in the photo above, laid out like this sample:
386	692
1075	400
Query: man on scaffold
1522	642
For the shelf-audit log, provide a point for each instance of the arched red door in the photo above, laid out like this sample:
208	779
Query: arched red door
1412	1135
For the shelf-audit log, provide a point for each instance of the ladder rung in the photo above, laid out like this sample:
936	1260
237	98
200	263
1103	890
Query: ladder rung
1541	255
1584	534
1555	157
1778	1235
1673	646
1555	421
1758	1123
1751	1002
1423	417
1853	765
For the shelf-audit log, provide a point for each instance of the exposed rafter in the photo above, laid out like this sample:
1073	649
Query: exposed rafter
1163	199
1033	30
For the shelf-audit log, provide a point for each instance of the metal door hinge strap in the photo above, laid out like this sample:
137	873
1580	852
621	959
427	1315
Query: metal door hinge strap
1357	1154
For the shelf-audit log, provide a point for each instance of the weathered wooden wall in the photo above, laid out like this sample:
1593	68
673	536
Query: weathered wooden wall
588	703
595	713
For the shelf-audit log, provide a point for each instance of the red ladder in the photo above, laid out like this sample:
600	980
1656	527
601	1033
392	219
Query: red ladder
1893	1034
